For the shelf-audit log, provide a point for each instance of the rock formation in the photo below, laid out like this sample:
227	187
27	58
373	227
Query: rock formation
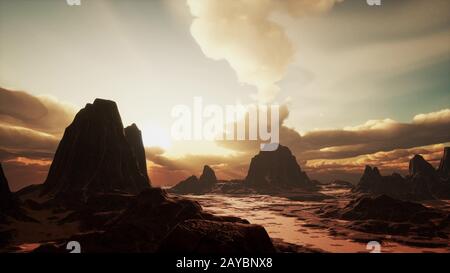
385	215
208	177
156	222
98	192
206	237
95	155
134	138
370	180
7	200
196	185
276	169
444	166
374	183
423	182
418	165
385	208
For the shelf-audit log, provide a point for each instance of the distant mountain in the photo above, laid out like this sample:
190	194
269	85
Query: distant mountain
193	184
276	169
96	155
423	182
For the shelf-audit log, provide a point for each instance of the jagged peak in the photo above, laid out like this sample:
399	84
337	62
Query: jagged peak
133	127
419	165
208	175
376	171
369	171
207	169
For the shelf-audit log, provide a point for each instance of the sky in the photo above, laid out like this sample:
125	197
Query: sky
358	84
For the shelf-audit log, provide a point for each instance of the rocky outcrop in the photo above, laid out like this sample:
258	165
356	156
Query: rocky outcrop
269	172
418	165
386	208
423	182
212	237
276	169
386	215
444	166
374	183
134	138
370	180
196	185
157	222
189	185
98	192
95	156
208	177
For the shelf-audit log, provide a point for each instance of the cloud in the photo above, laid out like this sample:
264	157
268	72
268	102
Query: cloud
374	136
17	139
22	172
442	116
31	126
243	33
40	113
341	152
388	162
30	130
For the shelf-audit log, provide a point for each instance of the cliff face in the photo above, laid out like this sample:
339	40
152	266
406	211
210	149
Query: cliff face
95	155
278	169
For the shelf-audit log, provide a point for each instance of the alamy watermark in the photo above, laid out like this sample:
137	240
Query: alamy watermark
374	247
73	2
231	122
373	2
74	247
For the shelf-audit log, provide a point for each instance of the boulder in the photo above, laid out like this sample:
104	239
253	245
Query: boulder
211	237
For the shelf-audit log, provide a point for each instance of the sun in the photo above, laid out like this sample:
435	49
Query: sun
154	135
